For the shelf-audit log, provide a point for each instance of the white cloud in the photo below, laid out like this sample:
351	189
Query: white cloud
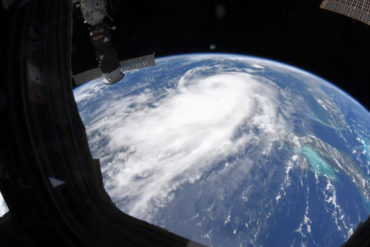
84	92
152	151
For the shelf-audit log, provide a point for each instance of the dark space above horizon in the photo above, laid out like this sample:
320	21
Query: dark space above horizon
301	34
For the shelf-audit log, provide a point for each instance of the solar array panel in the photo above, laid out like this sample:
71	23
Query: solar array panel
138	63
356	9
126	65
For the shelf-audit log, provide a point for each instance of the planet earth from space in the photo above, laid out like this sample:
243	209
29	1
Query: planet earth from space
232	150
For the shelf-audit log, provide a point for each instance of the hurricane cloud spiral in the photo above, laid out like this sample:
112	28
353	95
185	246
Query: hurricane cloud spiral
171	143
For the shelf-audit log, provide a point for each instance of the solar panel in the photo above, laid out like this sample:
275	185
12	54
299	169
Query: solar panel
356	9
87	76
126	65
138	63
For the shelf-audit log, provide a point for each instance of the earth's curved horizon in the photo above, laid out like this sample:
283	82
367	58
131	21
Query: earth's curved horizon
294	67
232	150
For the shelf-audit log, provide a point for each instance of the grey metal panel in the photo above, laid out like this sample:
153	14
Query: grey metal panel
356	9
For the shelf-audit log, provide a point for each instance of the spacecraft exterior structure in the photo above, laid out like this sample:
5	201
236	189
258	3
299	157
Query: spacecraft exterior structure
94	12
356	9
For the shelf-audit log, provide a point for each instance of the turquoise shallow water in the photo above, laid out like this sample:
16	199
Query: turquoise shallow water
366	147
328	122
318	164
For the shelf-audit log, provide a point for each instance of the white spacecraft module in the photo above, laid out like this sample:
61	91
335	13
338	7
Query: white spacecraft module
94	12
